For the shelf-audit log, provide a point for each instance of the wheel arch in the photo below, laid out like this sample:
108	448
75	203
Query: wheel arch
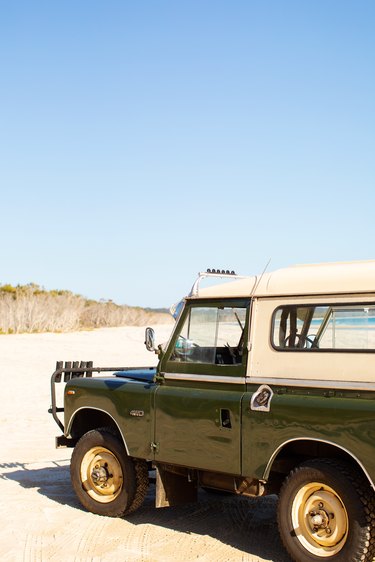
292	452
85	419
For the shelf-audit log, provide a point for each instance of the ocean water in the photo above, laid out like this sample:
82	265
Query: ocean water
348	322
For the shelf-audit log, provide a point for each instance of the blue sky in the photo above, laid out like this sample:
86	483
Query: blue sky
142	142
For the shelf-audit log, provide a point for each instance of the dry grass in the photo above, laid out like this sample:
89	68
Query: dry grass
29	308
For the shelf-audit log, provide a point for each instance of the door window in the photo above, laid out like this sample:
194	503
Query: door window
211	335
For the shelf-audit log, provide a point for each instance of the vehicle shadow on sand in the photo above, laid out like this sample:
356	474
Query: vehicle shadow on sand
247	524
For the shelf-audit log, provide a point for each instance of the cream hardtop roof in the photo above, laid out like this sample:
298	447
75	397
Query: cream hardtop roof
324	278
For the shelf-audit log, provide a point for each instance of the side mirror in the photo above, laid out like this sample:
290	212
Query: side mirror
150	340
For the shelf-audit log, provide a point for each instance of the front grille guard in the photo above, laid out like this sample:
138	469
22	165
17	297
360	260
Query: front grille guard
71	370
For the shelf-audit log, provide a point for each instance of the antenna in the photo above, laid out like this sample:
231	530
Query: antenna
260	278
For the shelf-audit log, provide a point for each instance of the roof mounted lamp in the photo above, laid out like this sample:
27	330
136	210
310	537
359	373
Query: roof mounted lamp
213	273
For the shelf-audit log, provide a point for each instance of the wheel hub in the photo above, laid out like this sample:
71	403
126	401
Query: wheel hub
100	474
319	519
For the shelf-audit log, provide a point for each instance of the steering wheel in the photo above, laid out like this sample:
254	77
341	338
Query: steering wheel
300	338
191	343
186	348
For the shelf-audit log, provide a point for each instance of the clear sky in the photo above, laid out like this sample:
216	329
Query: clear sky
142	142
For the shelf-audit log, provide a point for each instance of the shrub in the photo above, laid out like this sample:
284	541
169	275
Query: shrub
30	308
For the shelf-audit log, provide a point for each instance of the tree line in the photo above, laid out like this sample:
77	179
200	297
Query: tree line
30	308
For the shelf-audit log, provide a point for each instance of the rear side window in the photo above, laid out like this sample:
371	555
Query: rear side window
327	328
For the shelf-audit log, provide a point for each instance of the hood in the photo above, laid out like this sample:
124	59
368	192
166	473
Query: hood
144	374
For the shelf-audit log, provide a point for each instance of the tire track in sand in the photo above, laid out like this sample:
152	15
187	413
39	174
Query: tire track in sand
33	548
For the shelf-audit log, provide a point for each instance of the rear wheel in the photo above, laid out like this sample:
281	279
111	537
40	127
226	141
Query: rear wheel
105	479
326	512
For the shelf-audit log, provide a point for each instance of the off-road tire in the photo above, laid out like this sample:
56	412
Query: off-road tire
326	513
141	486
105	479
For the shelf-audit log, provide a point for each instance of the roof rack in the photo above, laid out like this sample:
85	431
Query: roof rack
212	273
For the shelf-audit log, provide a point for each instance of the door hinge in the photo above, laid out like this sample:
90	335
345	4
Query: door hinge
159	377
154	447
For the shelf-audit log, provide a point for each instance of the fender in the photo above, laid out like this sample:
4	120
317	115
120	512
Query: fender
94	409
268	468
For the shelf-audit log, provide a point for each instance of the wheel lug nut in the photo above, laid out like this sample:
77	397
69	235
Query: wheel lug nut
328	530
321	505
331	515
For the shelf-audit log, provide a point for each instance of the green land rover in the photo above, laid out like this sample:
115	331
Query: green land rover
267	385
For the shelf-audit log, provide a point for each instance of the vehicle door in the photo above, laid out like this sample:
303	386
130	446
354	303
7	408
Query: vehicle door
198	403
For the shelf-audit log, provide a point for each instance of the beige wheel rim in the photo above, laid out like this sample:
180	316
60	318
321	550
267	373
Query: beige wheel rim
101	475
320	520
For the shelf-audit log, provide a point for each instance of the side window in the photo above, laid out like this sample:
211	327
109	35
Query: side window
336	327
212	335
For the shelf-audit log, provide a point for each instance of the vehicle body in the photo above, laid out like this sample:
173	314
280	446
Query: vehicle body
267	385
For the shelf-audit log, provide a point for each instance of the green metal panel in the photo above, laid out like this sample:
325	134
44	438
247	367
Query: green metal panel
124	401
199	425
345	419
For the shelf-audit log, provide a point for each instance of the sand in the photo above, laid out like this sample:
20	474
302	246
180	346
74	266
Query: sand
40	517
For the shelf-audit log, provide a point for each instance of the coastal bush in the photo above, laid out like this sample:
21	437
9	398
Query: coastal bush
30	308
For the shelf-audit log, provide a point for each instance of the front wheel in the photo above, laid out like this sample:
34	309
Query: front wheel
326	513
105	479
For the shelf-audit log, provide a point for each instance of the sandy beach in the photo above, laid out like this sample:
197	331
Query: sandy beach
41	519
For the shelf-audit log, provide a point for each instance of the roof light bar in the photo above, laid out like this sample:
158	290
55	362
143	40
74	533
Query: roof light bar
213	273
221	271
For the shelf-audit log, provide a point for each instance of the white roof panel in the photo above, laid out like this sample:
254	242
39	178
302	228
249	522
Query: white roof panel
324	278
